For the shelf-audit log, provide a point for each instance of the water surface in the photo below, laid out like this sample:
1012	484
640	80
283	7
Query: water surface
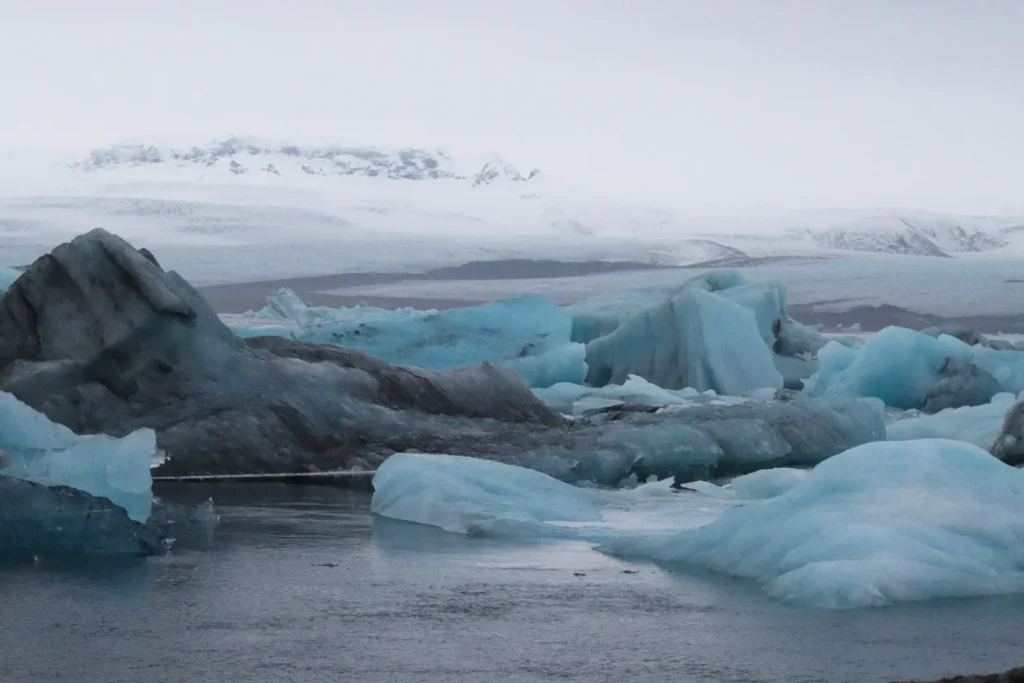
301	584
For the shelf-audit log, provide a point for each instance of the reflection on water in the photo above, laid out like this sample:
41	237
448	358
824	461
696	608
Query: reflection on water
302	584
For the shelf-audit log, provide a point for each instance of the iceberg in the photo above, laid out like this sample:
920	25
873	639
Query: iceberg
913	370
716	331
466	495
599	316
716	441
529	335
978	425
879	524
150	353
696	339
473	496
40	451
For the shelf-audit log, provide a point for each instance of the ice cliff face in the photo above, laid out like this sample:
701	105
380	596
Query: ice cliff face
240	156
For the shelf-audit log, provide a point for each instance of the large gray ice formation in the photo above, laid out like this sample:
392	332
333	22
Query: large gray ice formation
99	338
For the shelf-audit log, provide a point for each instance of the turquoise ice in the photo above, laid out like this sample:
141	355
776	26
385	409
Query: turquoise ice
909	369
529	335
40	451
881	523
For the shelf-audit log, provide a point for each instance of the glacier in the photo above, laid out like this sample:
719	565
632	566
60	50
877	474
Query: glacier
529	335
881	523
914	370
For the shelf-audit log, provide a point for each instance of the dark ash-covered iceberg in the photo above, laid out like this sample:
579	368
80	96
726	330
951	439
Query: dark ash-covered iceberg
99	338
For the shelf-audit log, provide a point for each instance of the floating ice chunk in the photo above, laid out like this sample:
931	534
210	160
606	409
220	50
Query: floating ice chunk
43	452
696	339
908	369
793	345
576	399
530	335
481	497
881	523
469	495
978	425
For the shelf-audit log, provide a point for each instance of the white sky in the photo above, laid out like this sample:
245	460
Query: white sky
854	103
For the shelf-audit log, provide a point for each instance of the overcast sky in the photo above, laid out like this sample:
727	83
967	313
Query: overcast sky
913	103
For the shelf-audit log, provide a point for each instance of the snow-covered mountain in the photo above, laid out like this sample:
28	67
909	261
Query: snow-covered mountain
918	234
239	156
273	208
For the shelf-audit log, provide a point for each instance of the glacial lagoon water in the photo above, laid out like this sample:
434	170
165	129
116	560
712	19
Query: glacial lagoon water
302	584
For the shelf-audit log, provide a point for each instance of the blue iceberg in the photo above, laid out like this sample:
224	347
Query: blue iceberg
529	335
473	496
483	498
716	331
696	339
37	450
913	370
878	524
61	493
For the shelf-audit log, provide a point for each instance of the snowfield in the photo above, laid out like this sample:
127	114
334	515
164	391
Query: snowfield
241	209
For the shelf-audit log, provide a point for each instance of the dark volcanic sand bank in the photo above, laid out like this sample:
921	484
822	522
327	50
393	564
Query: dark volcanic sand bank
245	296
